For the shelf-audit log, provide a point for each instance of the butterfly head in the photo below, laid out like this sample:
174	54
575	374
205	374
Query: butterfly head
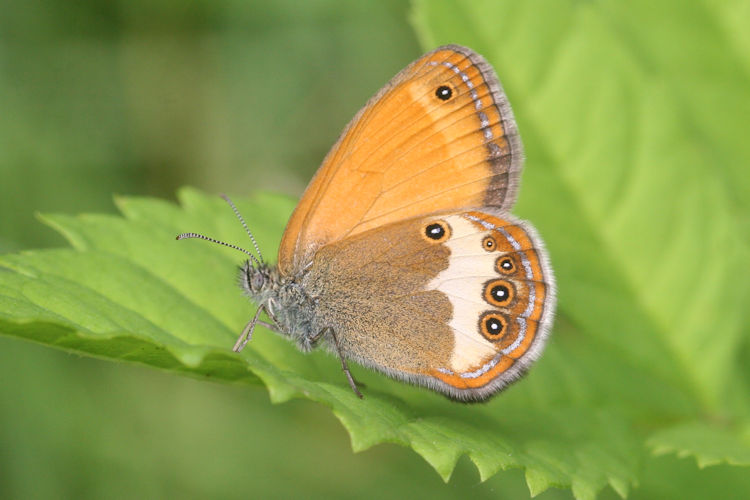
281	297
257	279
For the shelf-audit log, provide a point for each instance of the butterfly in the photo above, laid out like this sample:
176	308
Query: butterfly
402	254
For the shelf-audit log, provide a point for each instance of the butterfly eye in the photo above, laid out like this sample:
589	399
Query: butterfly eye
489	243
505	265
493	325
499	293
437	231
444	92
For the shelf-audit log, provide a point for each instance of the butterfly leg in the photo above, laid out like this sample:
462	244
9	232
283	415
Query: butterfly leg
247	332
271	326
344	366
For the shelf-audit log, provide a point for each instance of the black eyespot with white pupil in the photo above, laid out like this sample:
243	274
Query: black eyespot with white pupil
505	265
493	326
435	231
489	243
444	92
500	293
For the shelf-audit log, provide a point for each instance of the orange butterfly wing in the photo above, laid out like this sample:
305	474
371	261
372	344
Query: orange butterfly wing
439	136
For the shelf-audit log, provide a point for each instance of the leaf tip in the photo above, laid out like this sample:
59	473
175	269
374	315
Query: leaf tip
537	481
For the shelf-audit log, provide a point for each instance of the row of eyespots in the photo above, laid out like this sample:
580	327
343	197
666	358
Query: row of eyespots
439	231
504	263
493	324
499	293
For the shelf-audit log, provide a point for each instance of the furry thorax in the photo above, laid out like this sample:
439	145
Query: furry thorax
285	301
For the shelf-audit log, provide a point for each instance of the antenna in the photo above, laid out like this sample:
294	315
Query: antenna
185	236
258	262
242	221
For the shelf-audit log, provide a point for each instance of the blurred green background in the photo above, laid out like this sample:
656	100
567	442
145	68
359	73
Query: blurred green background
139	98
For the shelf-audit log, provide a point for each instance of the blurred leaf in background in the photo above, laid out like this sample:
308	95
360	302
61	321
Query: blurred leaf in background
146	96
141	97
633	116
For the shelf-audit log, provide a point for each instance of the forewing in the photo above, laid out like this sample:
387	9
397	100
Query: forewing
411	151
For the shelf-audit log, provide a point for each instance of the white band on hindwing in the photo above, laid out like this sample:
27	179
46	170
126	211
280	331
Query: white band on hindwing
462	239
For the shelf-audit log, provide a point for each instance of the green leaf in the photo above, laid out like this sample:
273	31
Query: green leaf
634	121
709	444
619	116
128	291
